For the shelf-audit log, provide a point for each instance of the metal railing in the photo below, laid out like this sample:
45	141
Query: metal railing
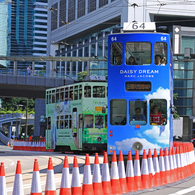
16	115
39	73
5	139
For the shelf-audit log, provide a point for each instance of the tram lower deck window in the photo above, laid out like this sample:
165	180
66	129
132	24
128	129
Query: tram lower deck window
118	112
137	112
158	112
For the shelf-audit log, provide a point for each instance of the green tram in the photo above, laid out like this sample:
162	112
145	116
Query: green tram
77	117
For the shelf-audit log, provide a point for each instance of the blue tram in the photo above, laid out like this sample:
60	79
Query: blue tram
140	92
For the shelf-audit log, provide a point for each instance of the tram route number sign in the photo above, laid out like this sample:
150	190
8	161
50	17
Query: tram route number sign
139	26
138	86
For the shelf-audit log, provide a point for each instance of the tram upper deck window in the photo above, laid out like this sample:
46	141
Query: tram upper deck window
158	112
87	91
118	112
138	53
137	112
99	91
116	50
160	57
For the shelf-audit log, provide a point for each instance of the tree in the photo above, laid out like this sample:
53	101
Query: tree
12	105
82	75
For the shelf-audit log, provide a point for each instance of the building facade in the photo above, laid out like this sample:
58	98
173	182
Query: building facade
80	28
26	29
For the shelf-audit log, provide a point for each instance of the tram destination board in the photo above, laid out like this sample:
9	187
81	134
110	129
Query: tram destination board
138	86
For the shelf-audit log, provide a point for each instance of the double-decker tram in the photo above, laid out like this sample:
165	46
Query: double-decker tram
76	120
140	90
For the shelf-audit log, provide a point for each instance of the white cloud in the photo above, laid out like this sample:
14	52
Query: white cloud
161	92
127	144
155	134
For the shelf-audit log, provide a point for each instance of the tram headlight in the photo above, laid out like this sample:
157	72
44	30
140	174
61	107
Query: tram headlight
99	139
137	146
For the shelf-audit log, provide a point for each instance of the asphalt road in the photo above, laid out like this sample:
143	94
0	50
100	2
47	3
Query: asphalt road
10	158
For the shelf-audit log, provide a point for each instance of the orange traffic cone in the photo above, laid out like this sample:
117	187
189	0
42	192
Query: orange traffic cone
162	168
97	182
167	166
76	184
87	188
130	174
36	182
106	184
172	173
122	176
178	163
151	169
3	189
181	161
137	172
65	181
174	164
50	186
144	172
8	143
18	184
156	169
115	184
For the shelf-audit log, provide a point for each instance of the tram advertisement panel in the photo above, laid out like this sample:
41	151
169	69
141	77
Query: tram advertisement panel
139	92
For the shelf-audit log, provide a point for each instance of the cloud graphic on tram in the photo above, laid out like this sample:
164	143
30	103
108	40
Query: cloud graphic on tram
127	144
161	92
160	135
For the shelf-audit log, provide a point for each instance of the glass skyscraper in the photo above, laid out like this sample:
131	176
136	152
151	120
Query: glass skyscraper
5	13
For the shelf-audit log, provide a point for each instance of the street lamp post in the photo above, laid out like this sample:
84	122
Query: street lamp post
18	105
26	117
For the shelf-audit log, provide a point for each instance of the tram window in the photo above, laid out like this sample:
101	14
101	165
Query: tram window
80	121
57	123
47	99
87	91
71	94
57	95
158	112
49	123
99	91
76	94
88	122
160	57
80	93
99	121
116	50
137	112
62	95
106	121
53	99
70	121
66	96
138	53
61	122
118	112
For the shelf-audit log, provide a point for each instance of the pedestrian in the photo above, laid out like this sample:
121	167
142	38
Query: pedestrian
29	70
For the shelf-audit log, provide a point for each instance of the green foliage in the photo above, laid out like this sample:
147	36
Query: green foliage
82	75
13	105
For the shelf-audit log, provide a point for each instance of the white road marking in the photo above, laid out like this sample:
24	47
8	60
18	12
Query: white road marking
185	191
12	164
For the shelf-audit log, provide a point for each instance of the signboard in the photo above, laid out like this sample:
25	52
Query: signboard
97	78
98	108
139	26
